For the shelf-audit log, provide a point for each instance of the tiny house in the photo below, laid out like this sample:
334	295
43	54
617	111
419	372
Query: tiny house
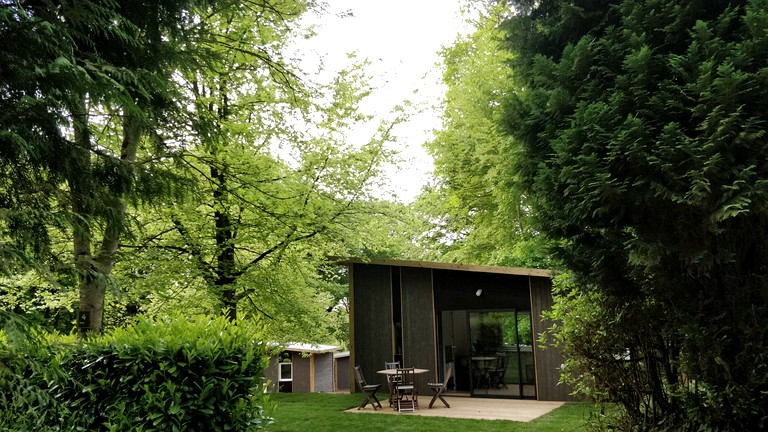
486	320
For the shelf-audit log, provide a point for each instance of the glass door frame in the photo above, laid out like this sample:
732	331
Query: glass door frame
473	390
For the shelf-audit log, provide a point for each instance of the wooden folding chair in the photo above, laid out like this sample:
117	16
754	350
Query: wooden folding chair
499	370
369	390
392	380
438	389
407	396
392	365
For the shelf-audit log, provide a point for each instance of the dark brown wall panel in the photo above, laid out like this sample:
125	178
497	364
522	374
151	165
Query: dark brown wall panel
418	323
342	374
301	377
371	320
271	374
548	360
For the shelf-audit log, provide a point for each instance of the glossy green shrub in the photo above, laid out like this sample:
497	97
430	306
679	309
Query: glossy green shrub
25	401
202	374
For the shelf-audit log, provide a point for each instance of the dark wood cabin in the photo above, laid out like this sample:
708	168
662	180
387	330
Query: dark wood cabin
486	320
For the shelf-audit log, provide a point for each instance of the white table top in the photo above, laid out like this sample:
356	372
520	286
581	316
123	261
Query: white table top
394	371
483	358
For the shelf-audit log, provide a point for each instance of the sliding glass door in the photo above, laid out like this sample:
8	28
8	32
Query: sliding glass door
501	354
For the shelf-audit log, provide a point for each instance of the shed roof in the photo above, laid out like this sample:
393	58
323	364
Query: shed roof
310	348
519	271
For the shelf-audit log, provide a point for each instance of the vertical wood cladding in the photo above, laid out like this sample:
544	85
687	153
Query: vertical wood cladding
418	323
341	373
372	318
301	374
272	374
548	360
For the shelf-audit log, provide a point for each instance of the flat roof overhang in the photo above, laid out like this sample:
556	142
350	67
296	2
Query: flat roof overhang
518	271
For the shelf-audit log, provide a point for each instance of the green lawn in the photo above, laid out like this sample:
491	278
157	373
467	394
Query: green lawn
314	412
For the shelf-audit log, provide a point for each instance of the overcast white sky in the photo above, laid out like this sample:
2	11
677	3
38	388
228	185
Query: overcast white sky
401	38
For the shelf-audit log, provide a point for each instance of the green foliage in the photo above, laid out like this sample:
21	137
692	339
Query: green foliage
278	187
604	339
157	375
224	188
86	88
642	125
477	210
28	376
61	53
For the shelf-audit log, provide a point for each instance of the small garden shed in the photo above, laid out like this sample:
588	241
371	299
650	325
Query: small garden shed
486	320
302	368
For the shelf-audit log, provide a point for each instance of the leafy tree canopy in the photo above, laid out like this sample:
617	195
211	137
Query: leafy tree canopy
476	208
180	162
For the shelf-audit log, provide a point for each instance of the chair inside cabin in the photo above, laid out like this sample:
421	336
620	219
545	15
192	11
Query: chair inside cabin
497	373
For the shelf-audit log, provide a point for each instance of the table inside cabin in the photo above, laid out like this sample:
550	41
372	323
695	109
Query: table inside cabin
481	366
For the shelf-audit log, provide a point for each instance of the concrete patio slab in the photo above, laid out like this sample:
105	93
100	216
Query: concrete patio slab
474	408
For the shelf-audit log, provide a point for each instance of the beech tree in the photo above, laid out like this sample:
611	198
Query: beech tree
197	169
643	126
278	188
479	212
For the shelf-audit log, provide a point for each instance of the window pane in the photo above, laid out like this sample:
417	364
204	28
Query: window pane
286	371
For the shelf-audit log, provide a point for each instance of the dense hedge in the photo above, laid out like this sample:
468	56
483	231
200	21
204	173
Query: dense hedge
202	374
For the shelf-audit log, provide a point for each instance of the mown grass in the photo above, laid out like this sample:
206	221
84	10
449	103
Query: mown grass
314	412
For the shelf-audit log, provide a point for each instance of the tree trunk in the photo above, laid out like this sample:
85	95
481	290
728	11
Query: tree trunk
225	256
94	271
225	231
91	310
